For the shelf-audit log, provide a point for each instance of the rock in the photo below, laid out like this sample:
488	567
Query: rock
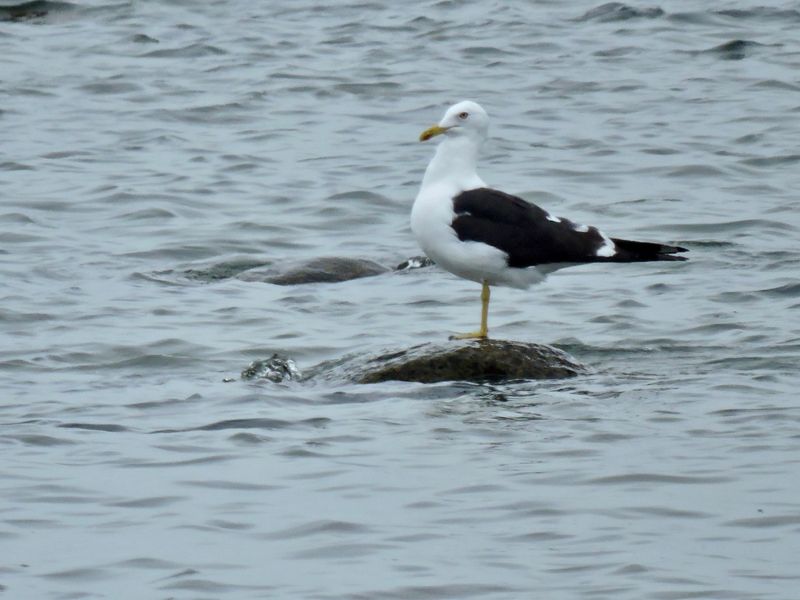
484	360
318	270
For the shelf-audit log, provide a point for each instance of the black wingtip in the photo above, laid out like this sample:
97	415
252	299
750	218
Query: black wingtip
663	248
630	251
669	252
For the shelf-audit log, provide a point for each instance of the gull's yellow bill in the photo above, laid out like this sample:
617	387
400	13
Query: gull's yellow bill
432	132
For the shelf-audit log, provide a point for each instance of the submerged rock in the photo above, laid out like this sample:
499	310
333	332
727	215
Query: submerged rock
317	270
326	269
474	360
36	9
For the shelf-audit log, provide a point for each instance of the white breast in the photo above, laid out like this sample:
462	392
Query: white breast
451	172
431	217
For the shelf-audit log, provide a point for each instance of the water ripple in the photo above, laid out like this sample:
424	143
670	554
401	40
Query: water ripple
162	160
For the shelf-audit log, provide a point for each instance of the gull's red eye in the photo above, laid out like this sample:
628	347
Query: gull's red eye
463	115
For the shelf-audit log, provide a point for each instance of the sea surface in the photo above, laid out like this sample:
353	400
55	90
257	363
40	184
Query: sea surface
143	142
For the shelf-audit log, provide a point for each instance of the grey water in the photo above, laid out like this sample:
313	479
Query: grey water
141	141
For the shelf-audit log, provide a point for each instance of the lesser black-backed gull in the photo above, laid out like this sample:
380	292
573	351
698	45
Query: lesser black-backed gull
494	238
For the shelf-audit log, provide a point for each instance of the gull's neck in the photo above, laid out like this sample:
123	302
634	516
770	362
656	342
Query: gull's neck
455	161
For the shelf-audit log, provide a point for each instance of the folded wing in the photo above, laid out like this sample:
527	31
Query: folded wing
530	236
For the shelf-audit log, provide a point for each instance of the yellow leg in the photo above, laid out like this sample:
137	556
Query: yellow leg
483	332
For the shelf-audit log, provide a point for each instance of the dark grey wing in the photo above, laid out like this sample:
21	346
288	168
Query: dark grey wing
530	236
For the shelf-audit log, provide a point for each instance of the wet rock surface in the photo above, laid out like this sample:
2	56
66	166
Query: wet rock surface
485	360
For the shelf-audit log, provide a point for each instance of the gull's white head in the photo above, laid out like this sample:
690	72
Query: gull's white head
466	118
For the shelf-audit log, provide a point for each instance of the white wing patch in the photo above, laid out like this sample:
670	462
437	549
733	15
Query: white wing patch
608	249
